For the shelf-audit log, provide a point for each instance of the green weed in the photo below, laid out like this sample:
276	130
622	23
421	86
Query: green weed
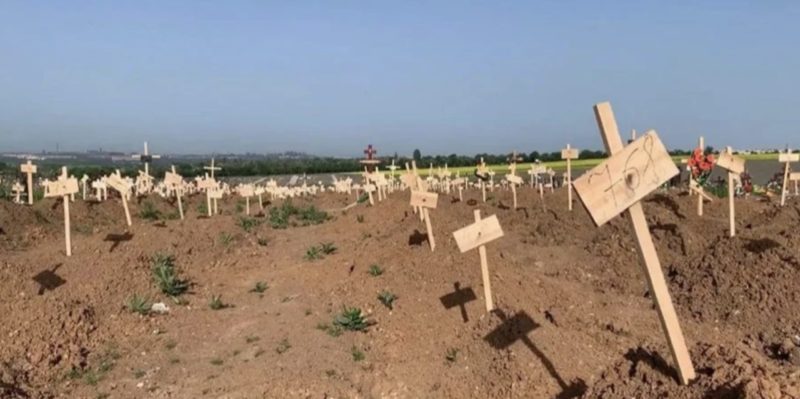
387	299
375	271
149	211
216	303
140	305
165	276
260	287
351	319
357	354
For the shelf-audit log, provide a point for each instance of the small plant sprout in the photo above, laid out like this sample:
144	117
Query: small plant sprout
165	276
360	218
327	248
283	346
248	224
216	303
262	241
331	329
451	355
313	253
357	354
149	211
138	304
375	271
260	287
387	299
351	319
225	239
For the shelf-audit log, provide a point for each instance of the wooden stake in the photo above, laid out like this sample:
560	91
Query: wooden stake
424	201
477	235
64	187
29	169
655	275
569	154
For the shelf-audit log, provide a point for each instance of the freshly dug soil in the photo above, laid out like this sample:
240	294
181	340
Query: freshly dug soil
574	316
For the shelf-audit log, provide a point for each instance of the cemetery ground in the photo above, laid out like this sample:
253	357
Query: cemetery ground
259	311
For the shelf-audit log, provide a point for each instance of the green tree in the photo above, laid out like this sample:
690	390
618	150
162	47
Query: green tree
417	155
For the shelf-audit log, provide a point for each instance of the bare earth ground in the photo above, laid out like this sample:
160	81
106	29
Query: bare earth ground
575	318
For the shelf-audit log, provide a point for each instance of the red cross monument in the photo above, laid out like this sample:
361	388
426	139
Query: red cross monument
369	162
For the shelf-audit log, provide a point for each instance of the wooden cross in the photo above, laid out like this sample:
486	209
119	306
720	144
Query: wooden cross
212	168
425	201
64	187
29	169
478	235
483	174
514	180
393	167
174	181
247	191
84	180
146	158
116	182
569	154
618	184
786	158
369	161
735	167
512	162
17	189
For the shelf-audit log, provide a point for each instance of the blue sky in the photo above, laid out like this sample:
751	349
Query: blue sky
329	77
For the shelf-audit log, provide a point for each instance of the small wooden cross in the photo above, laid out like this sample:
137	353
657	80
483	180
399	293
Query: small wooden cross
146	158
84	180
425	201
17	189
63	187
787	158
116	182
174	182
735	167
29	169
478	235
569	154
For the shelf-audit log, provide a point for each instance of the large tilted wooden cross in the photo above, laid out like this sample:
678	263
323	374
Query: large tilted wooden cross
618	184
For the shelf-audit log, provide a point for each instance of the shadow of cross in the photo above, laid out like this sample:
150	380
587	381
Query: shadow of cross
517	328
459	298
117	238
48	280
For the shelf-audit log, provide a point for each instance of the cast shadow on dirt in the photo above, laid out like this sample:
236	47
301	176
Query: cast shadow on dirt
116	239
459	298
667	202
417	238
517	328
48	280
761	245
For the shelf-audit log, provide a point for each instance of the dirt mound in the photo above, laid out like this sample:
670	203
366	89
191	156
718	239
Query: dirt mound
722	373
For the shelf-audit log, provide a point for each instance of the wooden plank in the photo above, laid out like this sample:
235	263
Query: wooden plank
514	179
247	190
789	157
652	266
424	199
62	187
172	179
794	176
730	162
478	233
215	193
625	178
569	153
117	183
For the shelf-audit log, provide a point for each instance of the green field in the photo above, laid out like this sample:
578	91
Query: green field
577	164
